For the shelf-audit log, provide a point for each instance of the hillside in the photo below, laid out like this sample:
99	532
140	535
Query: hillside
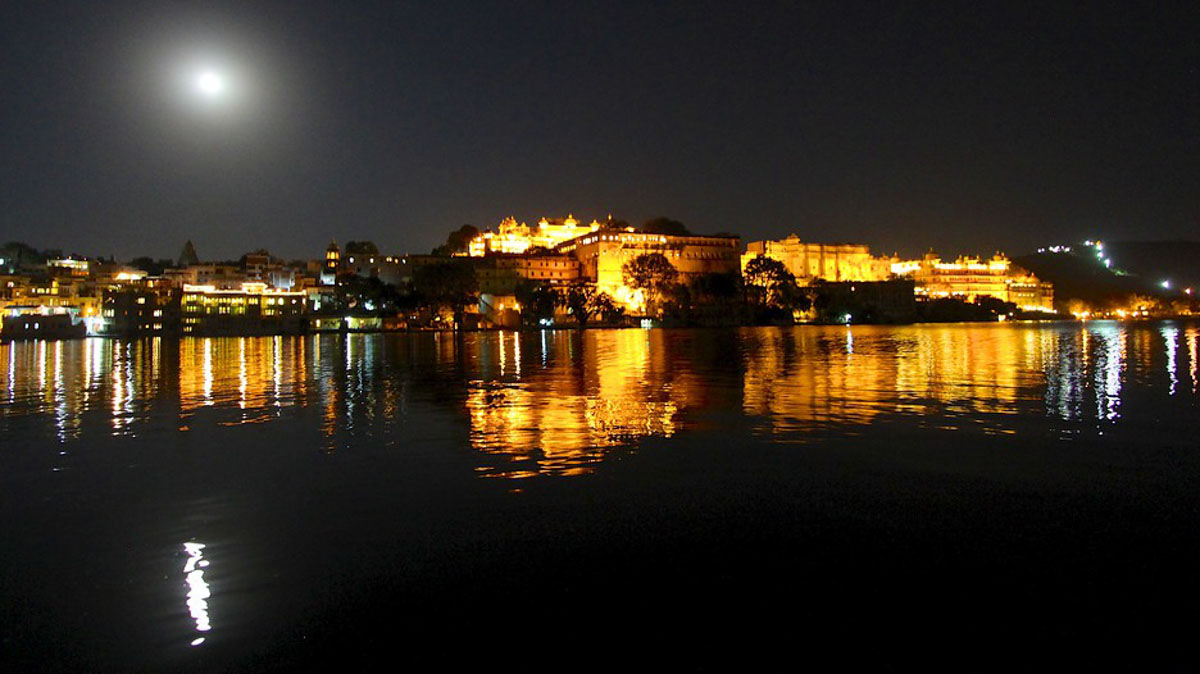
1135	267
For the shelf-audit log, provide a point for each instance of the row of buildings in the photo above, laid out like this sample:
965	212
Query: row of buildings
966	278
260	294
566	250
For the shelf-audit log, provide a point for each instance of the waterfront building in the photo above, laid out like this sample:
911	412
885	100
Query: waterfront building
72	294
111	273
40	322
67	267
387	268
149	307
13	286
968	278
500	274
512	237
333	261
251	309
809	262
224	276
409	264
260	266
1028	292
363	259
602	256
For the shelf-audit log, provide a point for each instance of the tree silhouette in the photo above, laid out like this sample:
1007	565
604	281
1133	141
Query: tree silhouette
652	273
583	300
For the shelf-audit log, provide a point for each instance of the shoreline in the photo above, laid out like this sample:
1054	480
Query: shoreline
572	328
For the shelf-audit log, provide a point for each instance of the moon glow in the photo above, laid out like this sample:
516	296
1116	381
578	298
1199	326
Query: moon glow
210	83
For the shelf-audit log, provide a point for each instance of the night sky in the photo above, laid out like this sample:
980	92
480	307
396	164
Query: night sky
968	128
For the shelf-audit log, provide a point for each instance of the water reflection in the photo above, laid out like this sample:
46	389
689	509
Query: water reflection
1109	370
590	394
1171	338
1192	339
198	591
562	402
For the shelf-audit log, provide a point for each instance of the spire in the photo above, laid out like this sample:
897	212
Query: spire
188	257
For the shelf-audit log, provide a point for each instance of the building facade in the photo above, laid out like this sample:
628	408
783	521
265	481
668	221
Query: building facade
602	256
500	274
968	278
514	238
146	308
252	309
833	262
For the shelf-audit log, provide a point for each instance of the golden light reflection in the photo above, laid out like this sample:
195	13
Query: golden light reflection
603	390
61	410
1192	337
562	402
256	375
948	376
277	368
208	371
242	383
41	366
12	374
119	419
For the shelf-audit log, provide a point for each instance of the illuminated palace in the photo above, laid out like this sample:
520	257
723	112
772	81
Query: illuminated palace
516	238
564	250
603	254
966	278
970	277
825	261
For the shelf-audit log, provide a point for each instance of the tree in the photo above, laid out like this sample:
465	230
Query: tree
611	225
17	253
366	293
259	252
652	273
448	285
995	305
537	300
716	287
361	248
767	281
663	225
457	241
583	300
772	289
607	308
150	265
677	302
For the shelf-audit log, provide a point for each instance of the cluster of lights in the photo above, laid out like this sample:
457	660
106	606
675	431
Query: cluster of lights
1055	249
1099	246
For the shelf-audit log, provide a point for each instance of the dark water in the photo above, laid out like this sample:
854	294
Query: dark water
964	496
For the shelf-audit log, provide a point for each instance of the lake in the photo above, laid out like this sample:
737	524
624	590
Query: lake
967	496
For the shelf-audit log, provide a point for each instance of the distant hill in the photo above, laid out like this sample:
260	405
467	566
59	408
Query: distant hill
1136	267
1155	261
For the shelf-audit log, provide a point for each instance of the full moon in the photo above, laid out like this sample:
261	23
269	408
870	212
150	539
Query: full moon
210	83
